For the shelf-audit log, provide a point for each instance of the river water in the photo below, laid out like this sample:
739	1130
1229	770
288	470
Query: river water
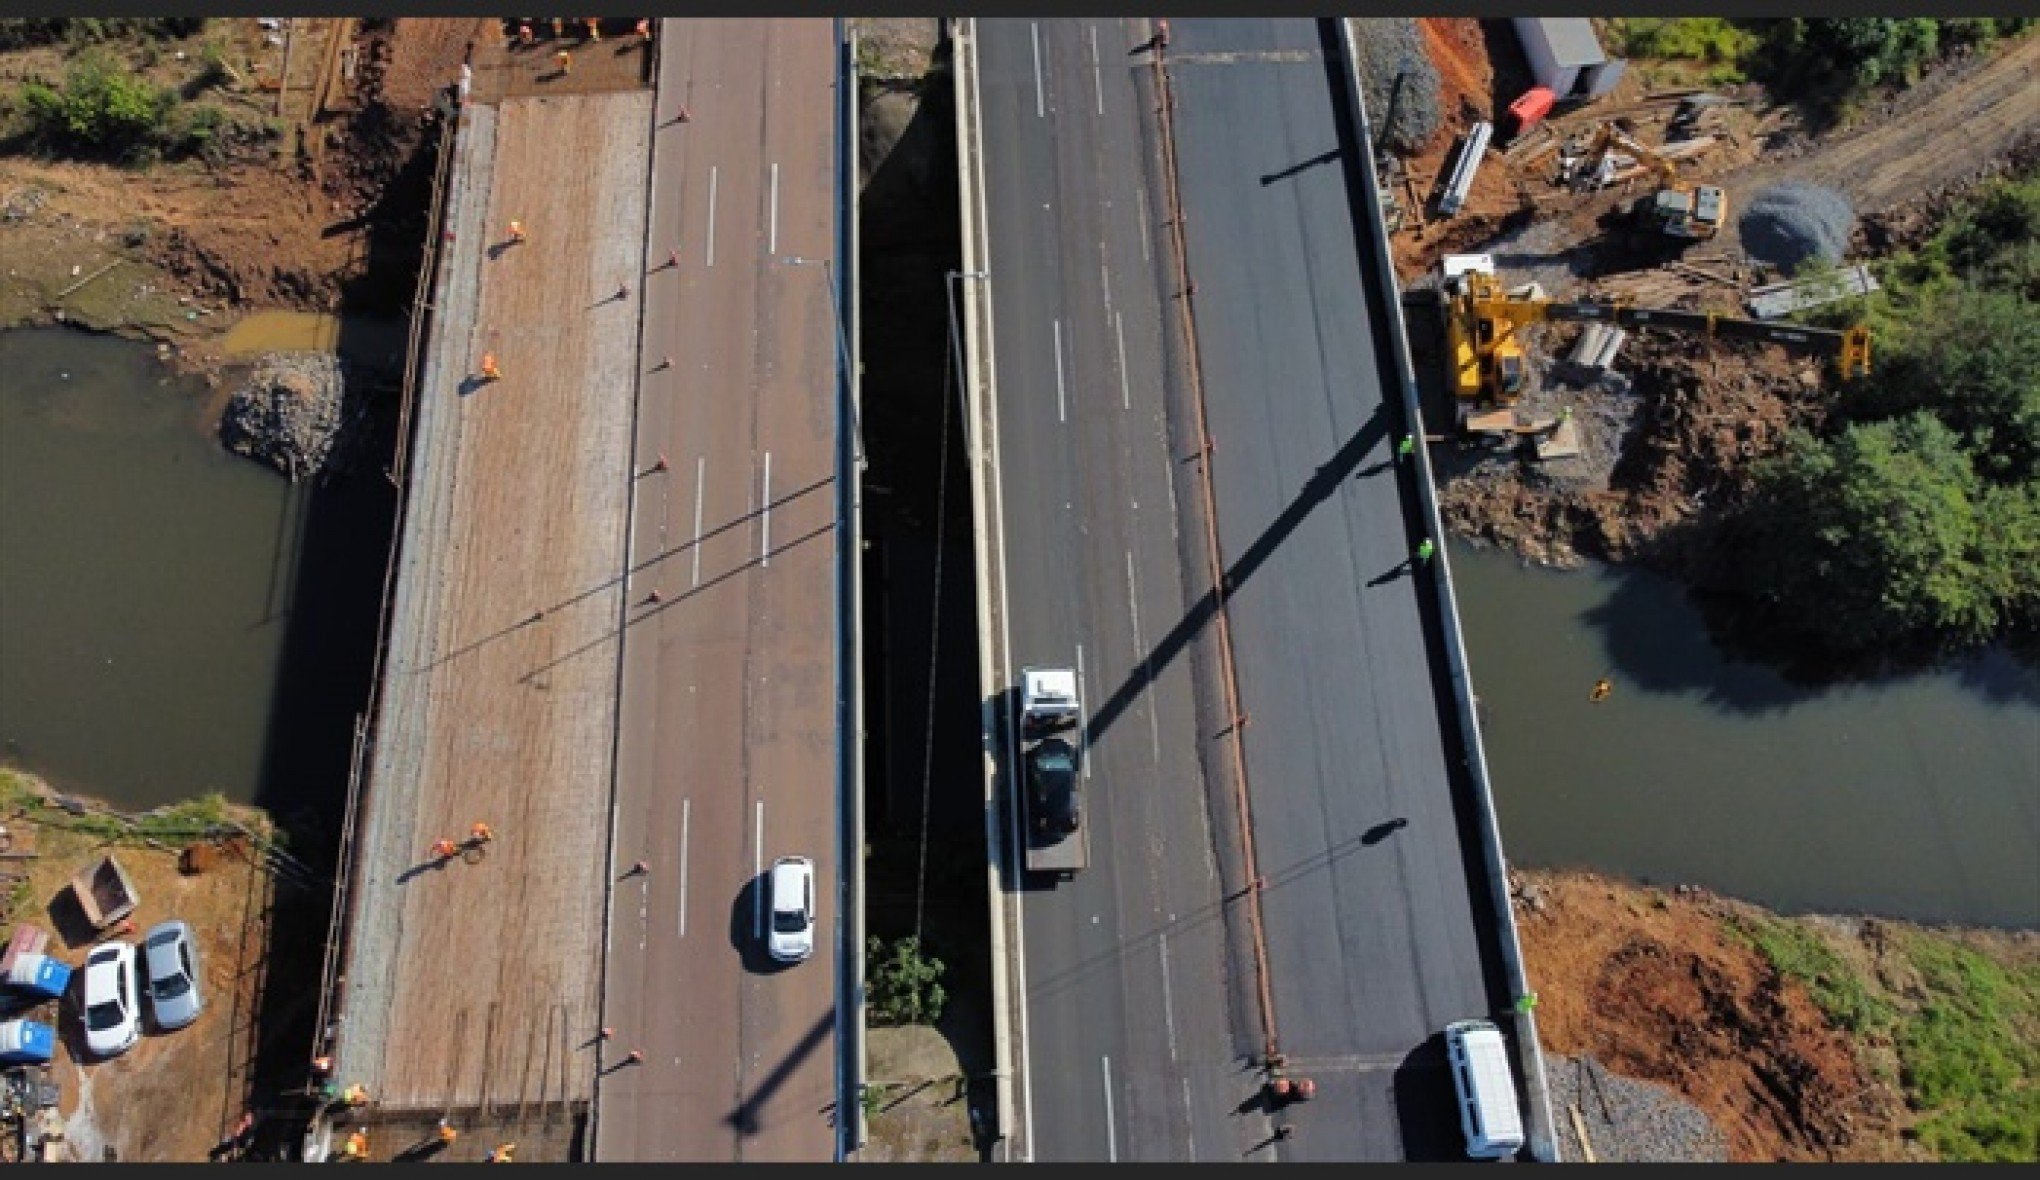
144	577
1915	797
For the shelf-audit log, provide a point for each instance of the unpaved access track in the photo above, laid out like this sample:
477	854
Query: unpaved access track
1963	120
472	986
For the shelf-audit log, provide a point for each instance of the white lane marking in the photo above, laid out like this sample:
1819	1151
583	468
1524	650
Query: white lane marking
1097	79
1125	389
1140	653
1141	210
772	242
686	815
1061	413
1111	1133
1168	997
758	872
765	498
1189	1125
700	479
1169	478
1040	110
712	178
1105	277
1083	717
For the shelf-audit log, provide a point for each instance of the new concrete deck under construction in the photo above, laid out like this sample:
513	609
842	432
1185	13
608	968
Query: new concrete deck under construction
472	986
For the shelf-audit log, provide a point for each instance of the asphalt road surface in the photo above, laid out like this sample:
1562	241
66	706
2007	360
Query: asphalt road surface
1141	1020
1135	1046
727	747
1377	924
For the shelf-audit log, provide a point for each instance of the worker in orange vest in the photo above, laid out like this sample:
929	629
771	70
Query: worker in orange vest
481	833
516	232
500	1154
444	849
446	1132
489	370
356	1146
565	61
594	30
644	31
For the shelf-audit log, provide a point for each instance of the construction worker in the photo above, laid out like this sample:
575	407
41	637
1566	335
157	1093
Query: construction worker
322	1065
1425	549
355	1095
516	232
444	849
524	33
1602	688
446	1132
489	370
355	1147
481	833
644	31
594	29
500	1154
1407	447
565	61
559	27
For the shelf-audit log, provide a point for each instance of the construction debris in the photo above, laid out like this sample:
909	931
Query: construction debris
1775	300
1792	221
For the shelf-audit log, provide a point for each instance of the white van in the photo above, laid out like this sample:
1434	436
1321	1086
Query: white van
1488	1113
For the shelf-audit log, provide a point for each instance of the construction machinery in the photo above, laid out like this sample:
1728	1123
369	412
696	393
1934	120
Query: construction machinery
1486	356
1688	213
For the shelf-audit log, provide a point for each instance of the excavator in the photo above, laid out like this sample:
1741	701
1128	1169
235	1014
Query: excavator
1690	214
1486	357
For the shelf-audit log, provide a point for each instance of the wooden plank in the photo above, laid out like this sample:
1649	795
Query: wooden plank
1579	1125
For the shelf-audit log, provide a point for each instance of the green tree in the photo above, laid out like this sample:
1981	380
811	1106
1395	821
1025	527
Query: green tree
1971	357
101	107
1869	541
903	985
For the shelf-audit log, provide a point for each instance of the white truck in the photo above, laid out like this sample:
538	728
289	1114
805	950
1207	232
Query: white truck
1051	780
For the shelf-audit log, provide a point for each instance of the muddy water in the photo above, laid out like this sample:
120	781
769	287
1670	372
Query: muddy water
282	331
1917	797
143	572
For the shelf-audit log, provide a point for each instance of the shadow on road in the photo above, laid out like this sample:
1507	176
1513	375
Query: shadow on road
745	1117
1426	1108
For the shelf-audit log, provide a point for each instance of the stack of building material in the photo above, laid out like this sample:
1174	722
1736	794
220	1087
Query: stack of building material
1596	348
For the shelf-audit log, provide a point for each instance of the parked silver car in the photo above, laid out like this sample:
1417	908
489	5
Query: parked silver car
170	961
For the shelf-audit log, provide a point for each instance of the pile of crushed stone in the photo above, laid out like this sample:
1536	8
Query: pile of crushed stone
1391	45
1791	222
288	415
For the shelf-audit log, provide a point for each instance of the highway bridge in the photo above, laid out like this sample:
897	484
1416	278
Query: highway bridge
621	628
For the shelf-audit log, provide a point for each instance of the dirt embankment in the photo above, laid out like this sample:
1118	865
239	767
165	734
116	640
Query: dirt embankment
326	218
1658	986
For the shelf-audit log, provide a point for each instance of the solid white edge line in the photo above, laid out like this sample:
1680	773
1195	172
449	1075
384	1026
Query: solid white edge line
1097	79
772	241
758	873
1141	215
765	515
1083	717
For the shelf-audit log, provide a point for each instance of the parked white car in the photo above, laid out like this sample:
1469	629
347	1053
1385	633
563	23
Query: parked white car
113	1009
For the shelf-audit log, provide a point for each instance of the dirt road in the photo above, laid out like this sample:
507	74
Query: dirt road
472	986
727	737
1929	140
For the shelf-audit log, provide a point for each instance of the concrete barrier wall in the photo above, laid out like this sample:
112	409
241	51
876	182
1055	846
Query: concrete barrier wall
1543	1143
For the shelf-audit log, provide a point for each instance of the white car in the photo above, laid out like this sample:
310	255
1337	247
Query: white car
790	909
113	1009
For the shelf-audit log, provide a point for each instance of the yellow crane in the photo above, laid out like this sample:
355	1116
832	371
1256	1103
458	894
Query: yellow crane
1486	356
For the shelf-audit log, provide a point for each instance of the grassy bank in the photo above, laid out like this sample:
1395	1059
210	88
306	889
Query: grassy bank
1952	1018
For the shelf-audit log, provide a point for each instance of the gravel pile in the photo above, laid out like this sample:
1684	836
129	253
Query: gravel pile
1788	223
288	415
1390	45
1627	1121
